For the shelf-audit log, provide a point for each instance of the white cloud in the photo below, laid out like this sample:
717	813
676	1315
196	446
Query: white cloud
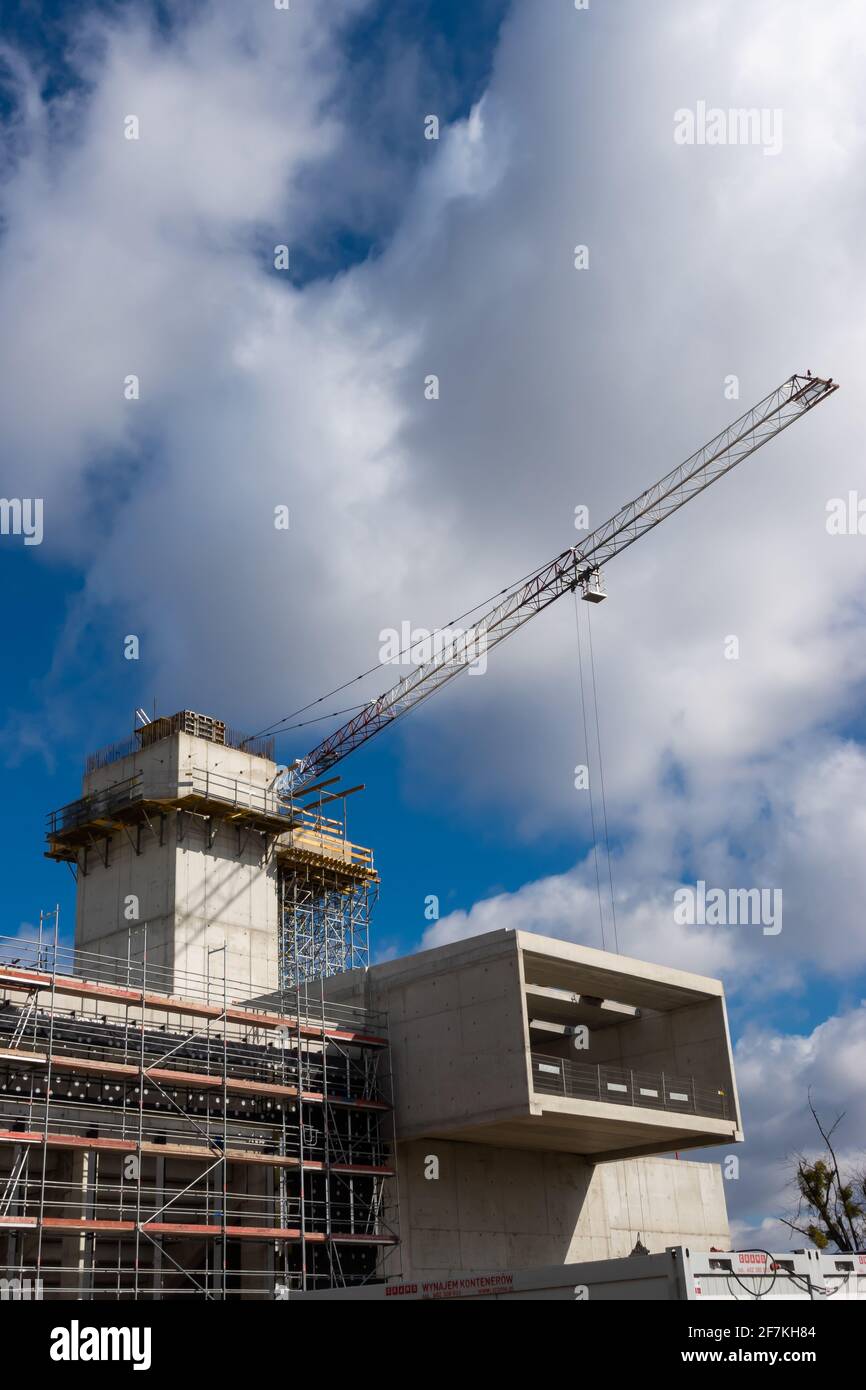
776	1073
558	387
794	824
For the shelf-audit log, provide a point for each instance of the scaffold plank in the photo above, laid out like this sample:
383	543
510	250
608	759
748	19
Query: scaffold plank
204	1080
70	1225
169	1003
199	1152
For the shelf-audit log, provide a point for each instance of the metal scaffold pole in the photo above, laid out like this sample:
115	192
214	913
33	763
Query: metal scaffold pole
48	1083
169	1100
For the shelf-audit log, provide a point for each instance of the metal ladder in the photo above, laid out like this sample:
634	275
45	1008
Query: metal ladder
13	1181
23	1020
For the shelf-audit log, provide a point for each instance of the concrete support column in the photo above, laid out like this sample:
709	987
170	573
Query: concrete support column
76	1251
257	1257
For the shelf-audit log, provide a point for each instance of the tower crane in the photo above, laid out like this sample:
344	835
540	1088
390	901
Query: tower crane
579	567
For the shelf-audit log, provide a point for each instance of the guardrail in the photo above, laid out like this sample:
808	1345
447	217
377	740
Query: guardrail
42	955
559	1076
96	806
310	829
233	791
209	786
66	1033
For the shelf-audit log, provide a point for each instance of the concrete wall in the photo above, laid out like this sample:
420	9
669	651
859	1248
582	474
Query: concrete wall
458	1047
101	924
495	1209
166	764
684	1042
687	1042
516	1192
457	1039
223	896
459	1024
193	895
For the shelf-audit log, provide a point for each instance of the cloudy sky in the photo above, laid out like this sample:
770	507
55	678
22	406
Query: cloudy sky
262	387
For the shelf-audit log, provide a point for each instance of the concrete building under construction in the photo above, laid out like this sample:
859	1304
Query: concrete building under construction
213	1094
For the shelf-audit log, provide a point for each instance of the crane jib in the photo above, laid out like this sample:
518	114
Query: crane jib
580	566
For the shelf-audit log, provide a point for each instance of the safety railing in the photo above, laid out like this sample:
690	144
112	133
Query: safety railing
559	1076
82	1037
308	827
104	1117
41	955
119	1201
99	805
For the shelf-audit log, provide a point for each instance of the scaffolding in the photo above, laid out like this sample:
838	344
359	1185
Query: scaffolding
166	1138
327	889
327	886
324	921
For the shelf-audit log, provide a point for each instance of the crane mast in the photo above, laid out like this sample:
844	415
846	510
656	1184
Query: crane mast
578	567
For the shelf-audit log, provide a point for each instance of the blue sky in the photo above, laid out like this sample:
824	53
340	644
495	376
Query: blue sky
558	388
458	44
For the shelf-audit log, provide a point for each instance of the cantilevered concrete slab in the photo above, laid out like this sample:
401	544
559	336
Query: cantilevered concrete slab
635	1058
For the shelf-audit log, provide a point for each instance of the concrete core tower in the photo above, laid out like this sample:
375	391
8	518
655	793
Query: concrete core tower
182	846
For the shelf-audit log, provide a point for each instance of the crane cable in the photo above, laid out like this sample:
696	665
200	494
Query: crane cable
601	780
283	724
583	701
589	776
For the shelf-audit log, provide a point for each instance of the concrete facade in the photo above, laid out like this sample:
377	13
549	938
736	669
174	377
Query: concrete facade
197	884
498	1209
483	1034
511	1154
